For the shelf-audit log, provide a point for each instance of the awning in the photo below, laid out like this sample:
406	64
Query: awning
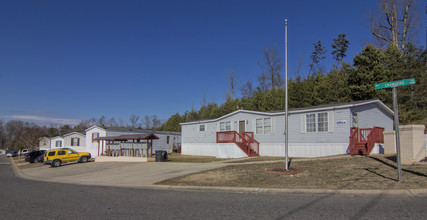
127	137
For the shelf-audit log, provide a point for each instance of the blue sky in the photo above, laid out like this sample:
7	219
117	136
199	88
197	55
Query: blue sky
65	61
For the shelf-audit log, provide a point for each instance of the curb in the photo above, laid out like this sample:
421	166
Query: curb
401	192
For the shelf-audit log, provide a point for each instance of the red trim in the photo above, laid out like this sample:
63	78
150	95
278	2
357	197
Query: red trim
247	143
362	140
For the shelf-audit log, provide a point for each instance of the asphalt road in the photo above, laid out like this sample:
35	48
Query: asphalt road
23	199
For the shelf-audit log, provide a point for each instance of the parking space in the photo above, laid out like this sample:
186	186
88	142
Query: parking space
116	174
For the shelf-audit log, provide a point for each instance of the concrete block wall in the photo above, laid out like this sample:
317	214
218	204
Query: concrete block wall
389	142
412	143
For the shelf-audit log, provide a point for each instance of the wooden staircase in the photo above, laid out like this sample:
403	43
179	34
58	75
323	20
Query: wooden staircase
244	141
362	140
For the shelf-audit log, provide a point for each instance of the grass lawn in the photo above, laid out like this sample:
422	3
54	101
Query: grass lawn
351	172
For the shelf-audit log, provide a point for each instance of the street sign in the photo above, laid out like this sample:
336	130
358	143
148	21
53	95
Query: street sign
395	84
396	116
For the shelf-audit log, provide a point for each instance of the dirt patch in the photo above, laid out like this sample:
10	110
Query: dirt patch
357	172
178	158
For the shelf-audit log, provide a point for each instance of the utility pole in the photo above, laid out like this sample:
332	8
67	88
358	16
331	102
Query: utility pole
286	94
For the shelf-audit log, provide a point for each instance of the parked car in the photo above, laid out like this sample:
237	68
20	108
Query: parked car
24	151
35	156
12	153
65	155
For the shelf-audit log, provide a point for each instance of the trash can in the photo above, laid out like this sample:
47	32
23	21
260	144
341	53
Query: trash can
161	155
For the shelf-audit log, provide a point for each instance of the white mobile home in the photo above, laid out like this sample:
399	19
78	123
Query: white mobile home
313	131
76	141
56	142
44	143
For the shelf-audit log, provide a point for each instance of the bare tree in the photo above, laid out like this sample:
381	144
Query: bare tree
120	122
112	122
233	83
271	69
133	119
395	22
155	122
147	122
101	121
247	89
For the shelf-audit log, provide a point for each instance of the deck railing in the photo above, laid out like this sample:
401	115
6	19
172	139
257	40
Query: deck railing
362	140
245	141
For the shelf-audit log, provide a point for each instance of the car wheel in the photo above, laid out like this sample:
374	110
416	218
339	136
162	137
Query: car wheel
83	159
56	163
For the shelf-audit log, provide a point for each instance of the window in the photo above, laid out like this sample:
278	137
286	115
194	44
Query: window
95	135
58	143
167	140
311	122
52	153
71	152
322	122
259	126
44	143
317	122
225	126
75	141
267	125
228	126
61	152
263	126
201	127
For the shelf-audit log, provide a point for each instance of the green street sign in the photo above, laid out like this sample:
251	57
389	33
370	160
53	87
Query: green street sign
395	84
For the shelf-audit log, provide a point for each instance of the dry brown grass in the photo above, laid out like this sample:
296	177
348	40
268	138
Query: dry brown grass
178	158
357	172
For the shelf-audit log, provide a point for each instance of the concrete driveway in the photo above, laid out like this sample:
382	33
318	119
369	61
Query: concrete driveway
115	174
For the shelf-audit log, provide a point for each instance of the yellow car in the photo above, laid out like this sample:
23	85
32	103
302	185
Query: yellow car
65	155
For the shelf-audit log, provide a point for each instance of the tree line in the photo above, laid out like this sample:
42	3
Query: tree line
393	55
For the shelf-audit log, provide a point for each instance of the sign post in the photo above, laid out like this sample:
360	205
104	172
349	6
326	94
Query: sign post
393	85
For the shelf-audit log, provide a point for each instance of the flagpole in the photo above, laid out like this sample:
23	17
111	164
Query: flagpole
286	94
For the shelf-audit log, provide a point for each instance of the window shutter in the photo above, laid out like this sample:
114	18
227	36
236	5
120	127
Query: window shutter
78	141
330	121
303	123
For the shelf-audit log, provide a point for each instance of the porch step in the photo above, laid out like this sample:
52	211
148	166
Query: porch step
245	148
361	149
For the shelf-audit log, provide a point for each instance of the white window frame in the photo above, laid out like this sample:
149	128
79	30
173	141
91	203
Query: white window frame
322	126
75	143
262	123
313	124
202	126
58	143
95	135
310	122
225	126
